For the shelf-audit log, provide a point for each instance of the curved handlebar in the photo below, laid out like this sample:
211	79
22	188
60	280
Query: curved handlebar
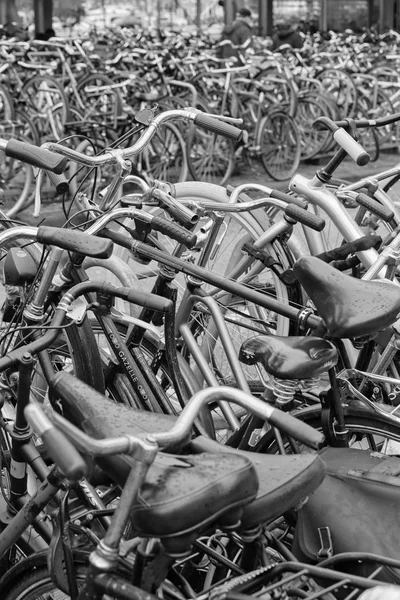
344	139
182	426
223	125
33	155
362	123
68	239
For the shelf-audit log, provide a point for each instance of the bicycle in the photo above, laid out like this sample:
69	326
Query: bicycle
90	583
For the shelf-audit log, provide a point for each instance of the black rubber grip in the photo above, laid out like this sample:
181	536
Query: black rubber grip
35	156
303	216
375	207
176	209
366	242
75	241
60	182
151	301
220	127
290	199
64	454
297	429
174	231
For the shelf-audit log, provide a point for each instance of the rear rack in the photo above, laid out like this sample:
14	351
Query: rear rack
299	580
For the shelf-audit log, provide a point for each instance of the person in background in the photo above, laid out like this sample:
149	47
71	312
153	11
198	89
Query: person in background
287	33
237	34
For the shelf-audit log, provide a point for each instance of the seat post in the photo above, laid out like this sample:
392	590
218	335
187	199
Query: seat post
332	417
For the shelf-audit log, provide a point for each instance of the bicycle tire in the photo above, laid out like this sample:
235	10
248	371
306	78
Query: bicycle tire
241	317
7	106
280	86
47	106
280	146
375	105
312	141
165	157
341	87
75	352
16	176
106	107
254	224
210	157
361	423
30	579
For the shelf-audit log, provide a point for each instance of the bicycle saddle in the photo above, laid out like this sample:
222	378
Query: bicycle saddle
284	480
289	357
350	307
181	495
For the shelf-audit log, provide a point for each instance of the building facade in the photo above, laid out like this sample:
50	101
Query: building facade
337	15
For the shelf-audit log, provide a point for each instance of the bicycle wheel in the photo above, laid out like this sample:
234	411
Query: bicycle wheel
20	194
75	350
280	146
237	226
376	104
210	156
242	317
16	177
312	141
30	579
165	156
7	108
98	99
367	429
341	87
368	137
46	104
118	386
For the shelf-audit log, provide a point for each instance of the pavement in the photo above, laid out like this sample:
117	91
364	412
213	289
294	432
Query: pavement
348	171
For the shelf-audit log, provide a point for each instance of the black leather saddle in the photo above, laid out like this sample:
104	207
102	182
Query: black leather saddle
284	480
185	493
350	307
289	357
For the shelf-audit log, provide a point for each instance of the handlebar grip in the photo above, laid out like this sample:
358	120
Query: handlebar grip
353	148
60	182
375	207
288	198
303	216
174	231
61	450
151	301
36	156
297	429
176	209
75	241
214	125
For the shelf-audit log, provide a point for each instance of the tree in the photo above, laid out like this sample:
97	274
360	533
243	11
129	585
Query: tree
8	12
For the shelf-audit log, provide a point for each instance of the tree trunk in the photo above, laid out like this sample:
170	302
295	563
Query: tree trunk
8	12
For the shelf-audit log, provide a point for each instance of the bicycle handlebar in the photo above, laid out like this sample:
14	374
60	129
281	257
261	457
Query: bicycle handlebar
53	156
64	383
33	155
344	139
63	452
67	239
360	123
216	124
143	299
293	206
